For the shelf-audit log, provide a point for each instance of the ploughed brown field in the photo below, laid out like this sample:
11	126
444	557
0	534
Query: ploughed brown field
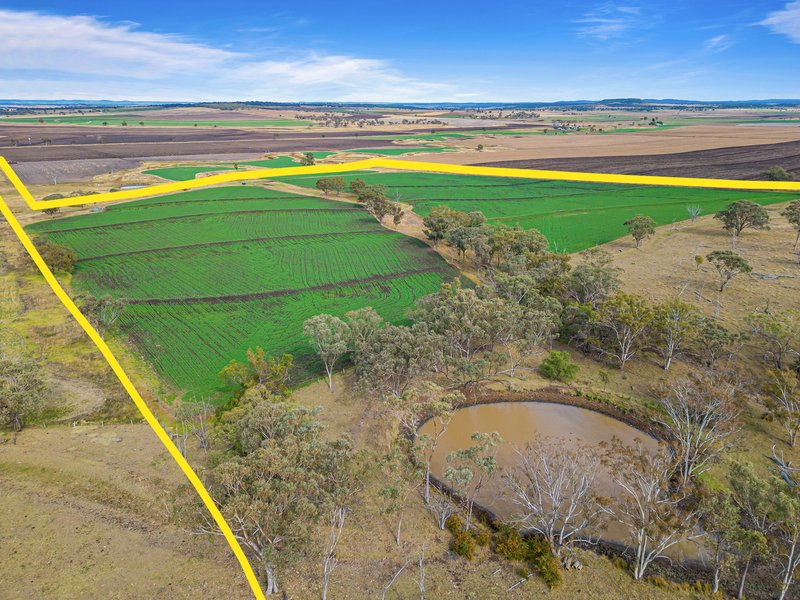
742	162
44	153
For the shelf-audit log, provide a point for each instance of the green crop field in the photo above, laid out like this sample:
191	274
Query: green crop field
136	121
210	273
573	215
186	172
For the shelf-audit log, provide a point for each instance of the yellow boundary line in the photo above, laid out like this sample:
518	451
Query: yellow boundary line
387	163
136	397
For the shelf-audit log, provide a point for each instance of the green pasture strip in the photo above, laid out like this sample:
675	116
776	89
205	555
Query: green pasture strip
210	273
189	343
186	211
222	227
573	215
254	267
187	172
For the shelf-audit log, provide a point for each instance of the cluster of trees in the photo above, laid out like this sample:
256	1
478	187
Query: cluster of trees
58	257
469	232
457	333
777	173
343	120
622	326
276	476
376	201
279	473
374	198
331	184
491	246
529	296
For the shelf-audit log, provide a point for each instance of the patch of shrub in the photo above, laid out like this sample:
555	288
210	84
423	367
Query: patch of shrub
454	525
464	545
482	537
58	256
777	174
558	366
544	562
509	544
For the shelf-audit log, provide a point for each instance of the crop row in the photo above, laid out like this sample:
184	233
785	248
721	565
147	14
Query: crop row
189	343
573	215
138	214
254	267
185	231
212	272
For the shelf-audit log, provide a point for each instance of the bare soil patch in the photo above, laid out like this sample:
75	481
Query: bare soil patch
506	148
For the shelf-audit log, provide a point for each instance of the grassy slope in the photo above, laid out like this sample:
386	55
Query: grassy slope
84	506
572	215
84	517
239	267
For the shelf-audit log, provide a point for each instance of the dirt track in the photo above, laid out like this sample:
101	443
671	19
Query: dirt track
744	162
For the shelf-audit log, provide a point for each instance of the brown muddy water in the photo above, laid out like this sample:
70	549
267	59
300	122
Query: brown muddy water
519	423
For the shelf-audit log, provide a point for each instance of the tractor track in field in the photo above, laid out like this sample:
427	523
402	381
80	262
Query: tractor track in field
286	292
194	215
231	242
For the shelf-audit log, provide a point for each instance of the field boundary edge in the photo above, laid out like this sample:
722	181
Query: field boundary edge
389	163
140	403
403	165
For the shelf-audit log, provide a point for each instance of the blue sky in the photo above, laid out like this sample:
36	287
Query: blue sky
404	51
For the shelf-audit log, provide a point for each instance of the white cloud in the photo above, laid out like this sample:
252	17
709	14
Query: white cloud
82	57
609	20
718	43
786	21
